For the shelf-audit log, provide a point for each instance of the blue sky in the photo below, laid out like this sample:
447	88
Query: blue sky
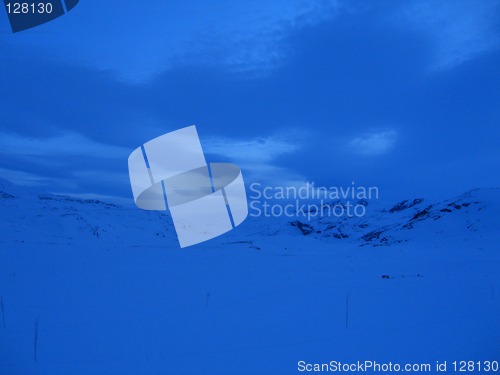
399	95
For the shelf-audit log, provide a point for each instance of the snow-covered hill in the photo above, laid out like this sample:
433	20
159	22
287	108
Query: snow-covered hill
470	215
41	218
89	287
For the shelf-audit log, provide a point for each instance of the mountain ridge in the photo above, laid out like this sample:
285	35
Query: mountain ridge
28	215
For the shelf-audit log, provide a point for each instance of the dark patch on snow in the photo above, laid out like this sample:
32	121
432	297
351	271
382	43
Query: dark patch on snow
305	228
421	215
238	242
340	235
405	205
372	235
5	195
363	202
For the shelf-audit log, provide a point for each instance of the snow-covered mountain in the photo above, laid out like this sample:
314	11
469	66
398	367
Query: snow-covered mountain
41	218
470	215
89	287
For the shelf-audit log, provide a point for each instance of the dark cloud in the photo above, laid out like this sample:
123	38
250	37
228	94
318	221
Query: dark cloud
344	82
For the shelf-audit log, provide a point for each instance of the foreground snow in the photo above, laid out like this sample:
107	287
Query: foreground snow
92	288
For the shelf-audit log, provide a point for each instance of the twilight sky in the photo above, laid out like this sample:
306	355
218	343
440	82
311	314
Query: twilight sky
400	95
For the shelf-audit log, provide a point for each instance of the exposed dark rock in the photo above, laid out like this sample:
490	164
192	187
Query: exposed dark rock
363	202
305	228
405	204
421	214
372	235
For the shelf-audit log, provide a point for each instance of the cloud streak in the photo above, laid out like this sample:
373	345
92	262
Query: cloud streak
252	41
241	36
459	30
252	150
258	156
69	144
373	144
29	179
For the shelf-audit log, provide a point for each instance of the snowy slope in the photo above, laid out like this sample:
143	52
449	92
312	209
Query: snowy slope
87	287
